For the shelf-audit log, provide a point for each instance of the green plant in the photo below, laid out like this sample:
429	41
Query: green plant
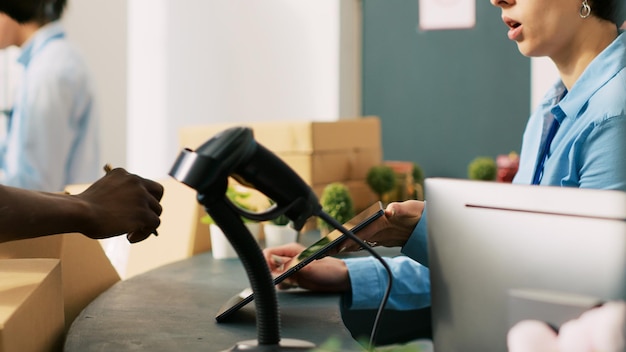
418	174
418	180
482	168
280	220
239	197
381	179
337	202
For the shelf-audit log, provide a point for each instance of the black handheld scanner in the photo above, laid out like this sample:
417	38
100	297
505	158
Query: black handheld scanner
234	152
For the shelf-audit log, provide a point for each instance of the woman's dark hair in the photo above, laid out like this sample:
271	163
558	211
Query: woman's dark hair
610	10
41	11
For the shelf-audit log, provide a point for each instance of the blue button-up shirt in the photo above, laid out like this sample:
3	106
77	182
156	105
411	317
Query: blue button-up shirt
588	151
52	137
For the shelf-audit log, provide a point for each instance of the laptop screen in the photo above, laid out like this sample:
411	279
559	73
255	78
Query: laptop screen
489	239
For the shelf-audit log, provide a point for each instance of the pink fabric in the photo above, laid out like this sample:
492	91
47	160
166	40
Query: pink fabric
599	329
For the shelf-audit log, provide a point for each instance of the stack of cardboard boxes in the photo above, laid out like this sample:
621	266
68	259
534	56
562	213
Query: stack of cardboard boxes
319	152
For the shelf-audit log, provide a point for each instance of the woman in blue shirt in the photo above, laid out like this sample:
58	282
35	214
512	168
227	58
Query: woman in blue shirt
574	139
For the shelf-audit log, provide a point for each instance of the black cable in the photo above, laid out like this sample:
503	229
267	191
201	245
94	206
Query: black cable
330	220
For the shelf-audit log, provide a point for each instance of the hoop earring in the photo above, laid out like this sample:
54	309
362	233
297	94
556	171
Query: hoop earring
585	10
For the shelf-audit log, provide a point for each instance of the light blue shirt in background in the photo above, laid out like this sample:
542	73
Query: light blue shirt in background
52	138
588	151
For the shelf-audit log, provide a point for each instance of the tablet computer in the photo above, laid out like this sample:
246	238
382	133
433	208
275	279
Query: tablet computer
317	250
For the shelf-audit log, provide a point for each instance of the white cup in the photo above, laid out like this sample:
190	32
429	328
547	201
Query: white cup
276	235
220	245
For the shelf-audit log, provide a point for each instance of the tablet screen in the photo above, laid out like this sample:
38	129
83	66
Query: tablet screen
315	251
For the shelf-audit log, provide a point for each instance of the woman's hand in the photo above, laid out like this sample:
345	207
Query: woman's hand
391	230
327	274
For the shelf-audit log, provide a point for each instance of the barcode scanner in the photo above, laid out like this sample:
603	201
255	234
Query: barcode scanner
234	152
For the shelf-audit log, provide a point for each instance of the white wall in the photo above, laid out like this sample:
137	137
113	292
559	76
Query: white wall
162	64
99	29
199	61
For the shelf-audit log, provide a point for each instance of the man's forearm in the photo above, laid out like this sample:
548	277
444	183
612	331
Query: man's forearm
26	214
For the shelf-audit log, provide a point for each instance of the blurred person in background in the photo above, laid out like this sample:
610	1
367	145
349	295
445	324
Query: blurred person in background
52	132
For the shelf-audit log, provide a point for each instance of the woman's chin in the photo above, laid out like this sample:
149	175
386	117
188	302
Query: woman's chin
528	50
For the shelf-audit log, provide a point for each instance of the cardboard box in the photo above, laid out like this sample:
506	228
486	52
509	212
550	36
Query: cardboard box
31	301
85	270
298	136
319	152
362	195
334	166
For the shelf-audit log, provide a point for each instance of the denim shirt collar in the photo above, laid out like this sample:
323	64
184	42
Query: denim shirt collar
605	66
47	33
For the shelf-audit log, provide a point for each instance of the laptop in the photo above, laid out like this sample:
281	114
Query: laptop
315	251
489	241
